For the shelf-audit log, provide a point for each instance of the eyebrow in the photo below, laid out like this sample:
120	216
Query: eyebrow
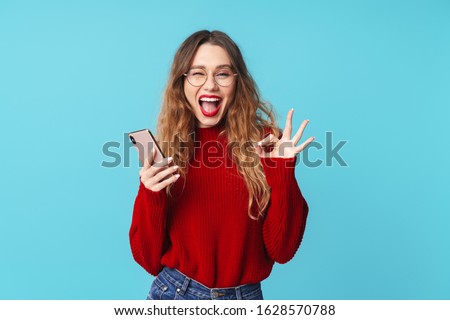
218	67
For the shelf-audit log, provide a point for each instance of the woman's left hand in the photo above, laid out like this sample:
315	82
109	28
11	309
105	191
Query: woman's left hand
284	147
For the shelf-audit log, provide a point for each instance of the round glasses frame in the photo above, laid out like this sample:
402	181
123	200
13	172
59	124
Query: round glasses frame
206	79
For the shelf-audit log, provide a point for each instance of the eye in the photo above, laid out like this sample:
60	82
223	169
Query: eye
197	73
223	74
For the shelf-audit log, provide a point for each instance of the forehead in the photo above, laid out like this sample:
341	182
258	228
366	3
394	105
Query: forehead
210	56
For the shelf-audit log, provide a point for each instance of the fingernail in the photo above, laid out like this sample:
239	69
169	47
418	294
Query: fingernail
175	168
169	159
177	176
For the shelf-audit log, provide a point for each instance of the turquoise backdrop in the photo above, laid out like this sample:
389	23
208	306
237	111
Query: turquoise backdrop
75	75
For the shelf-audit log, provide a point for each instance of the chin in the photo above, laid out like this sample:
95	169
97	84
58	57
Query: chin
205	122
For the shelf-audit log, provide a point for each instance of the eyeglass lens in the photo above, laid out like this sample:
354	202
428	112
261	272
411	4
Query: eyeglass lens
198	77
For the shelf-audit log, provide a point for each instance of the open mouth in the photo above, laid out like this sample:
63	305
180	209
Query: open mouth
210	105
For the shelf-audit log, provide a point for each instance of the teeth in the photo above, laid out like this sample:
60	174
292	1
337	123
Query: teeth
209	99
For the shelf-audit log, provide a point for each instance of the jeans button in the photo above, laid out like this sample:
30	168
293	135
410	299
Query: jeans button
215	295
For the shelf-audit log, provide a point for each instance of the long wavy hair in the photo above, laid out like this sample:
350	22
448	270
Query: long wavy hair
247	118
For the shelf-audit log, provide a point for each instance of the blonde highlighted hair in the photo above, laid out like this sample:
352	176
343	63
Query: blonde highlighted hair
247	118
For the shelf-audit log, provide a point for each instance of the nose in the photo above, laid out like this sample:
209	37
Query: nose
210	83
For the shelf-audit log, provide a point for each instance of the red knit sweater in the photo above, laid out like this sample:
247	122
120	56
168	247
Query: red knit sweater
204	230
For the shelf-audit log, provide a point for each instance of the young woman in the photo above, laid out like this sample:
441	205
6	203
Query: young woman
225	206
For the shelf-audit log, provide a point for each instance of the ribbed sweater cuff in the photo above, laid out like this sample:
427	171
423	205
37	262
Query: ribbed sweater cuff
156	198
279	170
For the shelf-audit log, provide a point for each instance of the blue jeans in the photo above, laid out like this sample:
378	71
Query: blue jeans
171	284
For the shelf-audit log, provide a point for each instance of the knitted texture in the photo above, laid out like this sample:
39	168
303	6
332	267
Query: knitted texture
203	229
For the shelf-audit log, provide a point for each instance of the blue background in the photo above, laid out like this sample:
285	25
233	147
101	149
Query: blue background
75	75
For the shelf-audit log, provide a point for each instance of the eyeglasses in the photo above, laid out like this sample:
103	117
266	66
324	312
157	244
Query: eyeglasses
198	76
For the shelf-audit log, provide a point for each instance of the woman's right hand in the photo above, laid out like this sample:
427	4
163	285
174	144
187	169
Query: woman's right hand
157	176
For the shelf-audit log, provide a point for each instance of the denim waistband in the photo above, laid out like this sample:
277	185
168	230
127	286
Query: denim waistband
186	285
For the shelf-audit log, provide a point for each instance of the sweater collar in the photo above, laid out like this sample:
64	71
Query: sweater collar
206	134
